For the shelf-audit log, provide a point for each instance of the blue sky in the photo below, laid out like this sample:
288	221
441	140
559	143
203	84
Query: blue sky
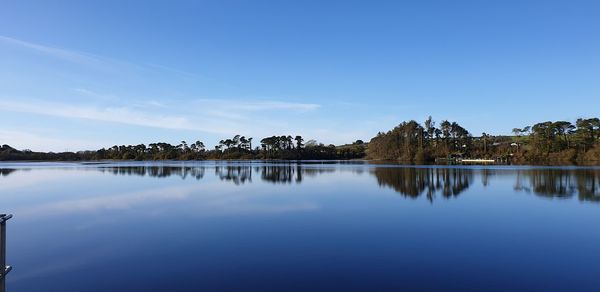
80	75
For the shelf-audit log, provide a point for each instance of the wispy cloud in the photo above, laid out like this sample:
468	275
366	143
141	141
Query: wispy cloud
92	94
275	105
260	105
108	114
68	55
218	117
96	61
85	59
176	71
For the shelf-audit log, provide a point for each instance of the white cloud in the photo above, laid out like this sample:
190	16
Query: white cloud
262	105
219	117
108	114
276	105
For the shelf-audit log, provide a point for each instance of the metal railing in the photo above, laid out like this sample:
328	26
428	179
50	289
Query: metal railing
4	269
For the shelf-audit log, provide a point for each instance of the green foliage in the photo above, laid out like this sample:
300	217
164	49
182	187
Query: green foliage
411	142
238	147
356	150
549	141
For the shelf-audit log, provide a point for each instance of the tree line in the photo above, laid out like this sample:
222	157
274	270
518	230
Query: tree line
285	147
550	141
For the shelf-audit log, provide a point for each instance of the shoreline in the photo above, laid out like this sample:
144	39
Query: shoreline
473	162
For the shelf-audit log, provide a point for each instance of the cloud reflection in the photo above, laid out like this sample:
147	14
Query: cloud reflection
204	200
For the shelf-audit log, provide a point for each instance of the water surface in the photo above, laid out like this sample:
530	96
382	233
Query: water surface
255	226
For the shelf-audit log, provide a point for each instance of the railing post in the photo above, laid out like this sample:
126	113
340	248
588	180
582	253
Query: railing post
4	269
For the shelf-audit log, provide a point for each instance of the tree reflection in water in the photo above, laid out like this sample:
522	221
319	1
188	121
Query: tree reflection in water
412	182
6	171
235	174
560	183
157	171
281	174
290	173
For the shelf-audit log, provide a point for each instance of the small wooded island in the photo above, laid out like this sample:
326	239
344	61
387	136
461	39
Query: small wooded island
410	142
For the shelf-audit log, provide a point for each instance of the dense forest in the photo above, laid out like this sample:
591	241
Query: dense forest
409	142
238	147
550	142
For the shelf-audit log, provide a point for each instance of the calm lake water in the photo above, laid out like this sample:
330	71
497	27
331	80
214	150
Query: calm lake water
254	226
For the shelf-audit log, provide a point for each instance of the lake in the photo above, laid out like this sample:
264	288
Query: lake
315	226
